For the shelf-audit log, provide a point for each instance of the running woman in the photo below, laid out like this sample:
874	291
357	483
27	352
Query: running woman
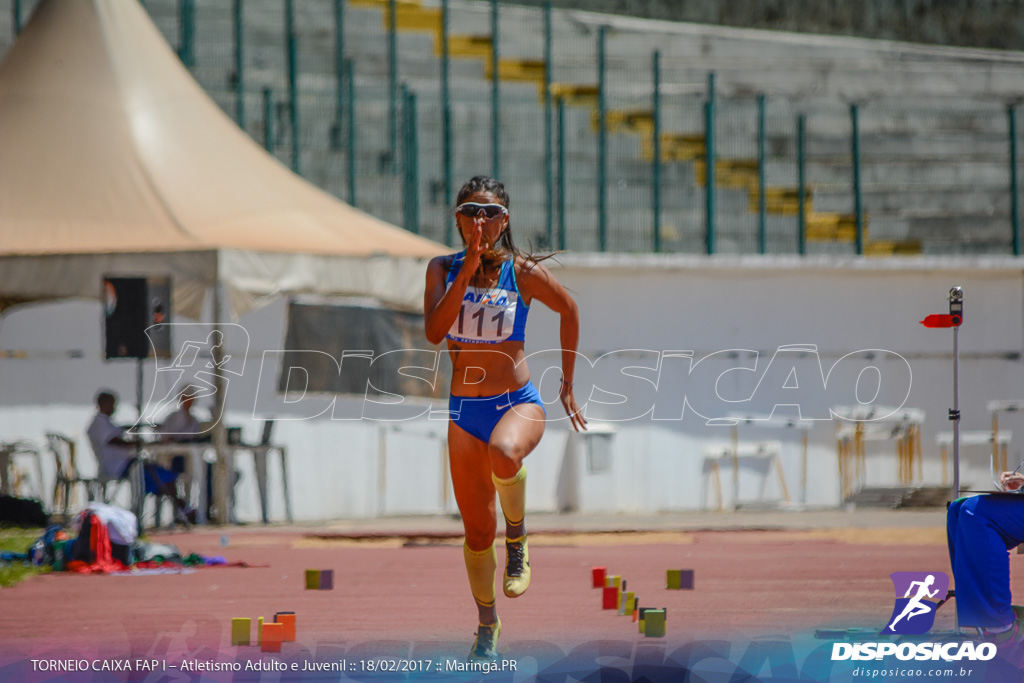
479	300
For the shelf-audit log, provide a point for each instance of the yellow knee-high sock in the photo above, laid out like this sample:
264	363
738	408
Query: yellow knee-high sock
481	566
512	494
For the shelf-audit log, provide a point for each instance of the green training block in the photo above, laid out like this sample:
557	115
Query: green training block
240	629
259	631
312	579
655	623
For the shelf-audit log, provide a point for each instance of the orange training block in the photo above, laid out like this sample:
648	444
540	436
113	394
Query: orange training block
286	619
273	633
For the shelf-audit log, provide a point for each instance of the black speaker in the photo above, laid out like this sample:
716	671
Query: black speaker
158	312
126	308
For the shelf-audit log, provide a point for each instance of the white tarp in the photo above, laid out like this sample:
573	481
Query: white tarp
112	150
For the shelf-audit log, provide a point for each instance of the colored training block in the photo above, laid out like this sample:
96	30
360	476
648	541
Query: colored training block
610	599
259	631
622	604
240	628
677	579
312	579
287	620
630	602
598	573
655	623
617	581
273	634
326	579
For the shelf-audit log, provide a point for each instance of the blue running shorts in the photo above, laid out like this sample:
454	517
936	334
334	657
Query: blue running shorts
479	415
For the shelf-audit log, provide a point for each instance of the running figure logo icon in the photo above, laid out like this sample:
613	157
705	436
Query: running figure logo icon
917	596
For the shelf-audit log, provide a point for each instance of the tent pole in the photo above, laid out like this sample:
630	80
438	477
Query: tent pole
138	481
220	470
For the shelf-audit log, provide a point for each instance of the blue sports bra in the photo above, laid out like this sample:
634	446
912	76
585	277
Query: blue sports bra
489	316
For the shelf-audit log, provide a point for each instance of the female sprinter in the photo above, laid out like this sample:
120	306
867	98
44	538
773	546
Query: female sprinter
479	300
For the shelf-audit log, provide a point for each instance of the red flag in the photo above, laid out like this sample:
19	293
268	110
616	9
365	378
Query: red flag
942	320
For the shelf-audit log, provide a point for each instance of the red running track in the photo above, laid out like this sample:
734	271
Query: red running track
414	600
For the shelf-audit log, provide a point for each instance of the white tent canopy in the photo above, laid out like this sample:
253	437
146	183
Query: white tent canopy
114	160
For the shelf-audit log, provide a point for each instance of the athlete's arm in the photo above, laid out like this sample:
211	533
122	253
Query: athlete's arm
538	283
440	306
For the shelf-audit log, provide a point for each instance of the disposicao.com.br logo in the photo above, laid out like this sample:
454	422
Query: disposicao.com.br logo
918	595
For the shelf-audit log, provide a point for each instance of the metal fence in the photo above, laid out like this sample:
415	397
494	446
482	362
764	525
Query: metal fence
608	139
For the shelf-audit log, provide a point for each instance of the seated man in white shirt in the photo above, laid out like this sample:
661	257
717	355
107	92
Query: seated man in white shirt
181	426
116	453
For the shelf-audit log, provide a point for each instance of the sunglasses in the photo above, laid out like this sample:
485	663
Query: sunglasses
473	209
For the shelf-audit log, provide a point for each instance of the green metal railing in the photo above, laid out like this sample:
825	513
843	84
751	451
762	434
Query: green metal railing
602	143
238	22
563	240
858	202
495	94
801	183
709	167
762	185
187	30
410	161
446	124
350	82
268	120
1011	112
649	164
656	151
292	41
392	152
549	171
340	74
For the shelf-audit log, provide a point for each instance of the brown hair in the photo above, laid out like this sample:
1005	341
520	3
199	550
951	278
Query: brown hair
505	244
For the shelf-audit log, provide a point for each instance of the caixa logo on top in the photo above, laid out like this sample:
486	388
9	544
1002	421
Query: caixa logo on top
918	596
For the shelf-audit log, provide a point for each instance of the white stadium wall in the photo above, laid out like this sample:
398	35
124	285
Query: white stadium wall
640	458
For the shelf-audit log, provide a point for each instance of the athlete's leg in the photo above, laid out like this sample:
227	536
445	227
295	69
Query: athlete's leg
474	493
516	435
